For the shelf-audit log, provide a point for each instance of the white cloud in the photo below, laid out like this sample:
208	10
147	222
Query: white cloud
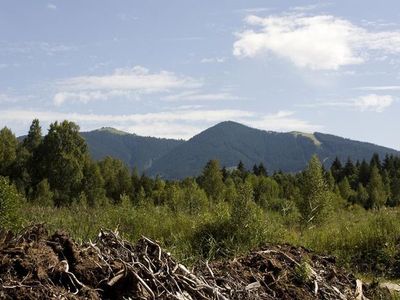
181	123
88	96
283	121
379	88
122	82
321	42
309	7
253	10
208	60
371	102
199	96
51	6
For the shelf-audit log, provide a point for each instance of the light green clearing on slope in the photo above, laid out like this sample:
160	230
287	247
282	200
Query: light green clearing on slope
311	136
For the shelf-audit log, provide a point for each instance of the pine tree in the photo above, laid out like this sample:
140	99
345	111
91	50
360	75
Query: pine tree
395	189
337	169
241	170
314	203
362	195
262	170
375	161
345	189
364	173
255	170
34	137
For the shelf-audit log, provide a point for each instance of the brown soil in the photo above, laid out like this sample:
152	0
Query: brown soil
36	265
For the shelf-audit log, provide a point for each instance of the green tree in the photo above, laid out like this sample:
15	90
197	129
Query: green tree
376	189
337	169
10	204
345	189
211	181
194	198
8	151
364	173
61	159
266	189
395	189
117	180
247	219
314	203
260	170
43	195
93	184
34	137
362	195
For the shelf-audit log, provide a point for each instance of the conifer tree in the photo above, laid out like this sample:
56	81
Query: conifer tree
337	169
314	203
345	189
34	137
362	195
376	189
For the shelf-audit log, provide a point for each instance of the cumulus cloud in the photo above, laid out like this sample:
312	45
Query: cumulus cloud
321	42
371	102
180	123
122	82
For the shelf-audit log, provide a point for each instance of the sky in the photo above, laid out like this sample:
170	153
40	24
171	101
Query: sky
174	68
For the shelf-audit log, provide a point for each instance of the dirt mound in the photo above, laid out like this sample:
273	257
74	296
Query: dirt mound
36	265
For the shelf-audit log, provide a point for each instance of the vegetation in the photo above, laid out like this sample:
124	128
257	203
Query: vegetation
228	142
349	210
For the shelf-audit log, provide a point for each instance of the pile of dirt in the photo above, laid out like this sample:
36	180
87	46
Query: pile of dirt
36	265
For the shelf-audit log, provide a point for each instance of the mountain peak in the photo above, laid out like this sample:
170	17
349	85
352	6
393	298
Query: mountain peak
112	130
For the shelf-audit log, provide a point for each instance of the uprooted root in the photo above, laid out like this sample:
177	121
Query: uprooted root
34	265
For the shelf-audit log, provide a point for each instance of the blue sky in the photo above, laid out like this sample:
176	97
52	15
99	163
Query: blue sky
173	68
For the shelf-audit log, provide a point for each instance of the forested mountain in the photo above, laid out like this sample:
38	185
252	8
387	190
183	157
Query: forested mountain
135	151
229	142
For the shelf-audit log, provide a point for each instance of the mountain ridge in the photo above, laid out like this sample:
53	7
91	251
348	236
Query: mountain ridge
229	142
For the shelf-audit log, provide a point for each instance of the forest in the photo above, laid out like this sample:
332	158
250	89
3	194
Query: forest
349	210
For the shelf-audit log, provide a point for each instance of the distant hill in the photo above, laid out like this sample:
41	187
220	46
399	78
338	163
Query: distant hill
231	142
135	151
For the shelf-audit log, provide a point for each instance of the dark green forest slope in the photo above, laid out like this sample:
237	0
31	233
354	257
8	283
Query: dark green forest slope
135	151
230	142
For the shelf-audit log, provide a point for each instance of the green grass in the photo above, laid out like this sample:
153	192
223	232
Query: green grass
367	242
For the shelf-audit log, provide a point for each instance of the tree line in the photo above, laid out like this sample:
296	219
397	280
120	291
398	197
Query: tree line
57	170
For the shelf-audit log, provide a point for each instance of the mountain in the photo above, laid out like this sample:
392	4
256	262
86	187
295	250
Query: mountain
135	151
231	142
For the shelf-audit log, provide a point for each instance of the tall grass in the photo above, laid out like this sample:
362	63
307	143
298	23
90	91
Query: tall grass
365	241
